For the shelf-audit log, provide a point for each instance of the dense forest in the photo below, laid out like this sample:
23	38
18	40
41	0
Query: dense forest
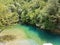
44	14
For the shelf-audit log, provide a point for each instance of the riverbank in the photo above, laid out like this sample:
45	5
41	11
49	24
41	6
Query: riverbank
24	32
21	32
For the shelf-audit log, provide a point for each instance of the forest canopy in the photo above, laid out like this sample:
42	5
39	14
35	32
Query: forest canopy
44	14
7	17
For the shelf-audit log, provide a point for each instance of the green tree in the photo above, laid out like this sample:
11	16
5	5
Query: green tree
7	18
42	13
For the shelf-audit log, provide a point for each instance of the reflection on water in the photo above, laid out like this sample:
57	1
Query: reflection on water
40	36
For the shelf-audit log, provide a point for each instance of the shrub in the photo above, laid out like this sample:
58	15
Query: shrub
7	17
42	13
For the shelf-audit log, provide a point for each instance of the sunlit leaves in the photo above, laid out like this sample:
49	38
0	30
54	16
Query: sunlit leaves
45	13
6	2
7	17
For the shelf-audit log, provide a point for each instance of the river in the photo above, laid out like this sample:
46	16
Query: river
40	36
36	35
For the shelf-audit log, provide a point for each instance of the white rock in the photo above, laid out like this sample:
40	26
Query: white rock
22	42
2	43
47	44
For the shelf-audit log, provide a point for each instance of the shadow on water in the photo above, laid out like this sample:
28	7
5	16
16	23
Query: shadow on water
46	36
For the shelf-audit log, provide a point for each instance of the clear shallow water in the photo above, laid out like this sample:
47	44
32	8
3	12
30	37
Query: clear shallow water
38	36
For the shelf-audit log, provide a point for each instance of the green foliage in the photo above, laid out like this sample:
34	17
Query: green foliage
7	17
42	13
6	2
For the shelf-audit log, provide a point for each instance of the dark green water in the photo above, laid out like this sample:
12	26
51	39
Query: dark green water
39	36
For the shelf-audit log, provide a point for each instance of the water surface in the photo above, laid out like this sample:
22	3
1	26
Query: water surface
40	36
33	35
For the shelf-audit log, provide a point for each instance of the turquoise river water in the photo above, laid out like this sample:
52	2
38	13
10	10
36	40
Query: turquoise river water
39	36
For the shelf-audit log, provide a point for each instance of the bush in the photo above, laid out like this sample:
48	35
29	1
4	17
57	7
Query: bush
42	13
7	17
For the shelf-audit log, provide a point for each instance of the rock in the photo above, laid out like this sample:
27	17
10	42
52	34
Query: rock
47	44
56	31
22	42
2	43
